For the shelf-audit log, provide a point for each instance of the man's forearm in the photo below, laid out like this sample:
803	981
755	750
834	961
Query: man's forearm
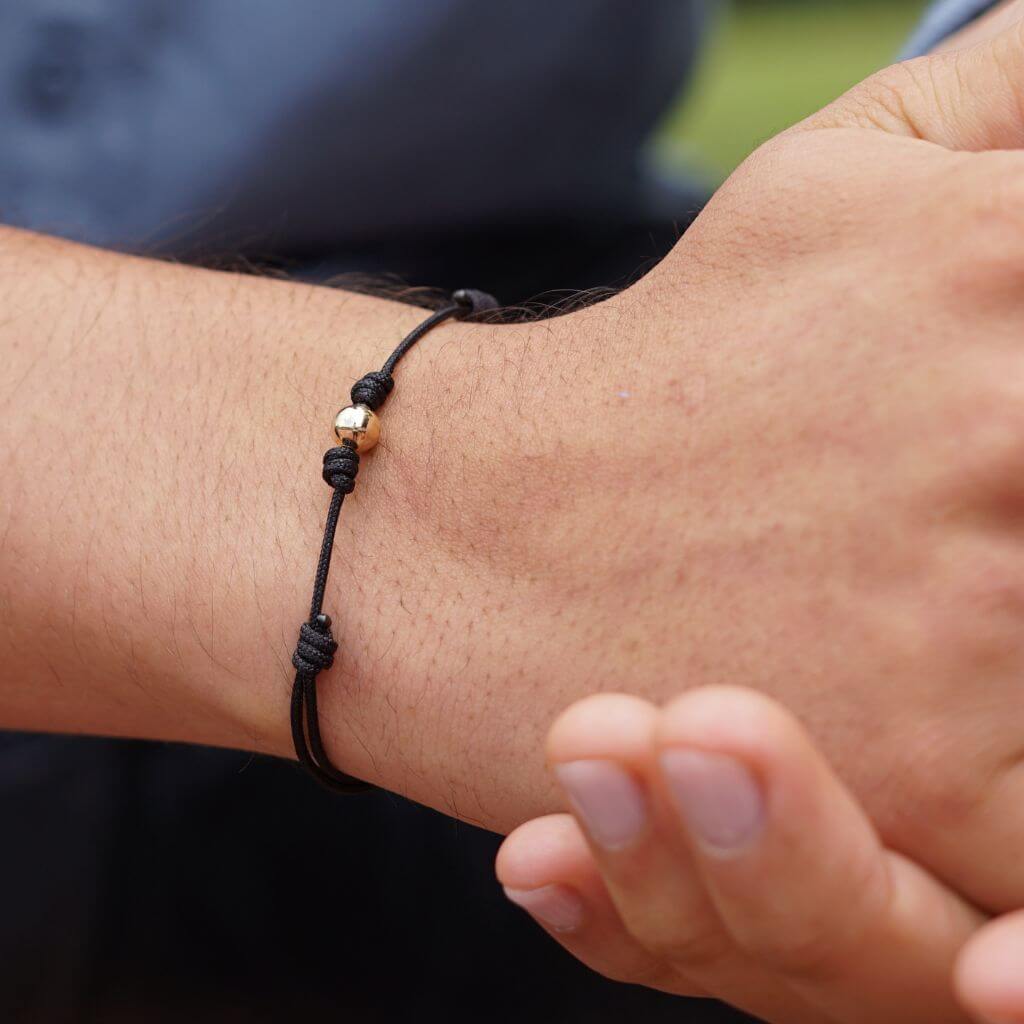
161	504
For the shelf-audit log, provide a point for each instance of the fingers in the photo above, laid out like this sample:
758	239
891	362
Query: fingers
601	751
733	853
990	972
546	868
963	99
604	753
794	868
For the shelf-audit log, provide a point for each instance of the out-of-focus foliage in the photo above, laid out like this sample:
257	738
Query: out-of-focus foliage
771	62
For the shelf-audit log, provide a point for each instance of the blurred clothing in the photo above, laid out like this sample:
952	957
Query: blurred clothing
305	127
450	141
943	19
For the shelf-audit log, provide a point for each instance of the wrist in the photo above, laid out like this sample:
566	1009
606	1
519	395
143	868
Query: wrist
170	568
158	580
462	602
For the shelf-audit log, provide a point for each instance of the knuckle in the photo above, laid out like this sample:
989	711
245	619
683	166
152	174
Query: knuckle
803	952
980	623
888	100
819	944
1004	54
686	947
999	426
993	588
991	248
932	774
988	424
885	99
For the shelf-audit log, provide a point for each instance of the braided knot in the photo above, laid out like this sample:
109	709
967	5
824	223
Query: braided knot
340	467
372	388
315	649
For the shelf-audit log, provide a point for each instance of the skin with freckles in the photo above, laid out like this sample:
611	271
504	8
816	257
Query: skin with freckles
790	456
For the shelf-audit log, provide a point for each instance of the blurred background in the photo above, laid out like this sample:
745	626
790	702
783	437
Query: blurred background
772	62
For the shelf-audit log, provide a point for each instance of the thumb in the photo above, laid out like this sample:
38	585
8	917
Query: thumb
966	99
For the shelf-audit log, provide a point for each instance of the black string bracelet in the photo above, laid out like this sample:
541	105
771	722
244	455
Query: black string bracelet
358	429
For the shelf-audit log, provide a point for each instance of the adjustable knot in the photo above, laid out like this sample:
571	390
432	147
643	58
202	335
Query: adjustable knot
341	464
315	649
372	388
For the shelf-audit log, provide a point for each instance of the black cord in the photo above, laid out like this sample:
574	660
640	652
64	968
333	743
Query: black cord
316	646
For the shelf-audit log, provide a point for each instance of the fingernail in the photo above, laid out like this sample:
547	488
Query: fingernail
718	797
557	906
606	799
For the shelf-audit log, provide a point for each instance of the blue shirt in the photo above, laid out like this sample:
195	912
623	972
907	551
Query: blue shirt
299	125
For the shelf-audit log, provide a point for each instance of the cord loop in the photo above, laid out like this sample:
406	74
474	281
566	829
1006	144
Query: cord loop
316	647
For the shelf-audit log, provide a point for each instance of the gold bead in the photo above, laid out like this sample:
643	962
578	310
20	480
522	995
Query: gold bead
358	423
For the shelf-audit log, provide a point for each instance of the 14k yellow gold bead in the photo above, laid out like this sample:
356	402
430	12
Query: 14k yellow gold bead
358	423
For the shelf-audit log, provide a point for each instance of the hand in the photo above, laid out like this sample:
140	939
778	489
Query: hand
789	456
713	852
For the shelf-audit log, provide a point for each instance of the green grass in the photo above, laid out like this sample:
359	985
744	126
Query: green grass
769	64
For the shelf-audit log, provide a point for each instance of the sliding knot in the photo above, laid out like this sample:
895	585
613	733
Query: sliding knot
474	301
340	467
315	649
372	389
